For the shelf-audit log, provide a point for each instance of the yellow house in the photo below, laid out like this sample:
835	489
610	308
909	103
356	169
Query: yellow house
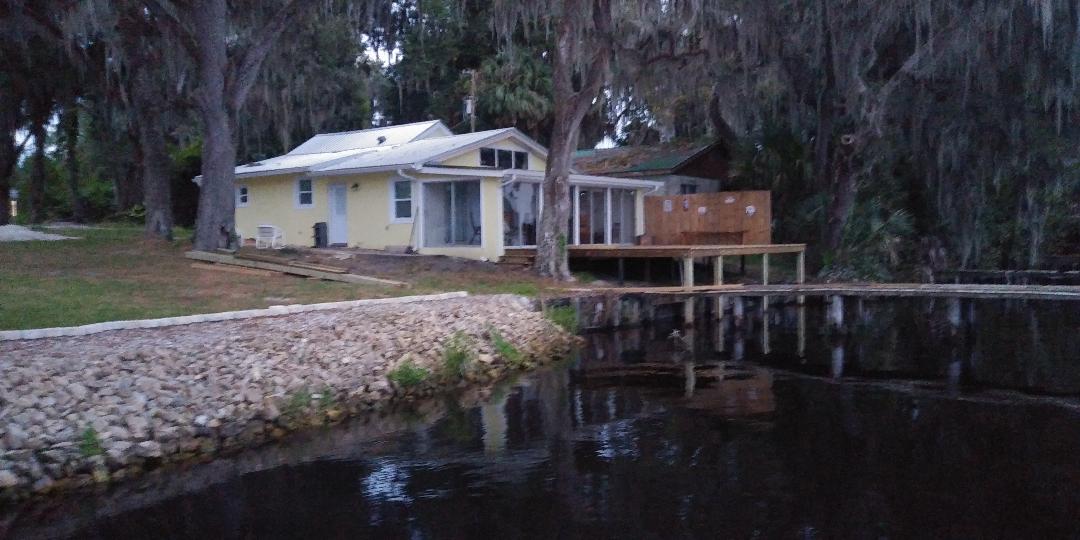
422	187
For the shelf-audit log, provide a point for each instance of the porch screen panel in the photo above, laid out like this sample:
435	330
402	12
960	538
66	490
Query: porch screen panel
622	216
593	215
521	203
452	214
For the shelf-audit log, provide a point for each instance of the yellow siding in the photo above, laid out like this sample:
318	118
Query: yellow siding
272	201
472	157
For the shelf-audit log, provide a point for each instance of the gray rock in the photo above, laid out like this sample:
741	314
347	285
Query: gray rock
8	479
148	449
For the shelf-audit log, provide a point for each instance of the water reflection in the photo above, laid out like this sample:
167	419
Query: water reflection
775	424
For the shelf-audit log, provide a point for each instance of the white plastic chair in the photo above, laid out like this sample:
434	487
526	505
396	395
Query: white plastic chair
270	236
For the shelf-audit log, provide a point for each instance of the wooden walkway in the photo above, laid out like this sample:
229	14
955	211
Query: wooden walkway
1040	292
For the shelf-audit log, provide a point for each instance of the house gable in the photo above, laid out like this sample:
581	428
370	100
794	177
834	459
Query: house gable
513	140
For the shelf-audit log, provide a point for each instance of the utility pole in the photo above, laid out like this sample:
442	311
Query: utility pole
470	104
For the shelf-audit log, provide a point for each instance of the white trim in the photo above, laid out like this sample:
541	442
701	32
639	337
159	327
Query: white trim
247	195
296	193
576	209
607	216
394	180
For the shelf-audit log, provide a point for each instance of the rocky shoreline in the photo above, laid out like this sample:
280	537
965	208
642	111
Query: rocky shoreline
83	410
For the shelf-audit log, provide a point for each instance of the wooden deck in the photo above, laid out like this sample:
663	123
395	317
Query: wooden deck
1032	292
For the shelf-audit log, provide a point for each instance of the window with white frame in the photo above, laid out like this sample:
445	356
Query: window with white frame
503	159
401	208
242	196
305	193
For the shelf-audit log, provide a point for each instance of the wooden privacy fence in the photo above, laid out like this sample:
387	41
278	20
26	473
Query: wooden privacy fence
724	218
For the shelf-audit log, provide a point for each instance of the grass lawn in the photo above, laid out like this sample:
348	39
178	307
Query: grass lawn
112	273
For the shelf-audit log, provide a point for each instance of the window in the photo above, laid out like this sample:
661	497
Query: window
452	214
592	216
305	193
623	216
401	201
503	159
506	159
687	189
521	160
242	196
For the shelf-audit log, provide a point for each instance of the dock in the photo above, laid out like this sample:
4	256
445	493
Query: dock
925	290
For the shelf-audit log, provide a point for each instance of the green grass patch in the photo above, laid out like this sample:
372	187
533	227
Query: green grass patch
507	350
297	402
457	356
408	375
564	316
90	443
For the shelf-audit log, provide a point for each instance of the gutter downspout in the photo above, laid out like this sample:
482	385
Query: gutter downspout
413	241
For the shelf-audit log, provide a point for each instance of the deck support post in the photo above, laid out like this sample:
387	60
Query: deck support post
622	271
688	284
718	279
765	342
737	309
800	274
764	268
836	311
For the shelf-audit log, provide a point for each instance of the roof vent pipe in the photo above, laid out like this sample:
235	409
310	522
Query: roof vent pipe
381	139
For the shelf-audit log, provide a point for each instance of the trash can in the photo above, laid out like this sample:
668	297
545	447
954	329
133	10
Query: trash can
320	234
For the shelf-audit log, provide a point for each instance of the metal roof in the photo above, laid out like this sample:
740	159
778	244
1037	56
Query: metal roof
431	148
369	138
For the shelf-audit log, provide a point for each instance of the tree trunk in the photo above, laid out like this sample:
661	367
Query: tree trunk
842	191
71	157
36	198
551	254
128	189
9	151
570	108
147	100
215	223
156	181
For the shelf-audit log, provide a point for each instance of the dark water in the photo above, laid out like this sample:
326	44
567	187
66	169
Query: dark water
917	418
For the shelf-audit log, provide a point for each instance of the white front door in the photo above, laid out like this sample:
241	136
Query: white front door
337	222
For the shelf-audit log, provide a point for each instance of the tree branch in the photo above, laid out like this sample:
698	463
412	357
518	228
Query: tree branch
169	24
243	73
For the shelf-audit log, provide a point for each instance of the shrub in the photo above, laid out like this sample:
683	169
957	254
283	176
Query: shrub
408	374
565	317
297	402
457	355
90	444
507	350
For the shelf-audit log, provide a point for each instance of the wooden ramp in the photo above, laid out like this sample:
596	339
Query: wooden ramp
306	270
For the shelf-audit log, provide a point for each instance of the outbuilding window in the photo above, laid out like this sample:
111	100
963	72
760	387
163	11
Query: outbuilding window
242	196
401	201
305	193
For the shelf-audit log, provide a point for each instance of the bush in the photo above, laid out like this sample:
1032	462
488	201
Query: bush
565	317
507	350
90	444
457	355
408	375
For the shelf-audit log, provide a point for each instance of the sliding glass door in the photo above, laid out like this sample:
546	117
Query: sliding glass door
521	214
623	223
592	216
452	214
